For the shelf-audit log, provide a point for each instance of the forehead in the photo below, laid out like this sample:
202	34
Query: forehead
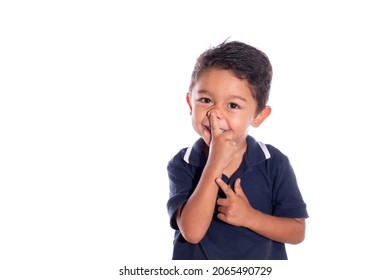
219	81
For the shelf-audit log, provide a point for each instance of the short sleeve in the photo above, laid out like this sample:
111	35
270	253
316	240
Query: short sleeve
287	198
180	186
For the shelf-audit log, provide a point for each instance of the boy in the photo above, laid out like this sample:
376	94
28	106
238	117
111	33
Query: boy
232	197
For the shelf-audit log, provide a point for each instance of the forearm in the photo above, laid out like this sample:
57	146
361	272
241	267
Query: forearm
280	229
195	216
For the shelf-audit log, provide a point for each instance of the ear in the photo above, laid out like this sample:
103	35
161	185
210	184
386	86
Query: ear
260	117
188	98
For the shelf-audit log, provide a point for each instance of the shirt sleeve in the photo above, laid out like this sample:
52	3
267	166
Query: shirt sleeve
180	186
287	198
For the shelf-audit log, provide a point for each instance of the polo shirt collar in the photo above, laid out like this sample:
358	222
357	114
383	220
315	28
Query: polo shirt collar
256	153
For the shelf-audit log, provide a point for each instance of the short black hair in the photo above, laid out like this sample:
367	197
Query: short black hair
244	61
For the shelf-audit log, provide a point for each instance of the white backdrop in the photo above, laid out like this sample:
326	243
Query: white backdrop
92	107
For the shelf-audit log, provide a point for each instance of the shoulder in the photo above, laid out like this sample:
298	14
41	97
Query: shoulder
259	152
193	155
275	154
278	163
178	168
178	159
269	159
279	166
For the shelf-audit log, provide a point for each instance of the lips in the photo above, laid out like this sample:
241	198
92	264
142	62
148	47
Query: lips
208	128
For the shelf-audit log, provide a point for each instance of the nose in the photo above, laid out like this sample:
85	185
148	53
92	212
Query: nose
217	113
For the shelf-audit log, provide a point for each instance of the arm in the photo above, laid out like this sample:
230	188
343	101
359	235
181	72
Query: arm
285	230
236	210
194	217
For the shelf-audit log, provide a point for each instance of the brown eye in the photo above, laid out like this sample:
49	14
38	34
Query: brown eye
205	100
234	106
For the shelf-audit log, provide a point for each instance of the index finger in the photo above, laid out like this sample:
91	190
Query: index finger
214	123
225	188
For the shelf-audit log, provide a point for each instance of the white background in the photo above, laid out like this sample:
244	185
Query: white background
92	107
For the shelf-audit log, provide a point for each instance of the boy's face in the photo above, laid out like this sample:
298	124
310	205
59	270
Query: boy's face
230	99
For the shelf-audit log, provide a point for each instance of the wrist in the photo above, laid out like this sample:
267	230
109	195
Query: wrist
252	218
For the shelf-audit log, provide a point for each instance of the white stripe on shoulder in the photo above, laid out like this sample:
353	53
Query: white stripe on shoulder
265	149
187	155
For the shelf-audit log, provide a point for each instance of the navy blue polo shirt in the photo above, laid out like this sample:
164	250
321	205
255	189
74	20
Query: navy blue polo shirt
267	180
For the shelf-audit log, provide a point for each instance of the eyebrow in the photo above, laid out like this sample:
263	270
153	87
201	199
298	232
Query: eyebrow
231	96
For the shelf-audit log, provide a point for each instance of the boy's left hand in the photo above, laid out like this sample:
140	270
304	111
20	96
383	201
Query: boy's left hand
235	209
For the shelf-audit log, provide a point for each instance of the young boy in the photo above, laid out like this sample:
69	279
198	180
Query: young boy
232	197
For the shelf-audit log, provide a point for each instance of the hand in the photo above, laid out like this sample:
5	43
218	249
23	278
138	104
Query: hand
235	209
222	145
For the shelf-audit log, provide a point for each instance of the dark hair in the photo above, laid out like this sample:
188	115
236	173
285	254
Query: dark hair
244	61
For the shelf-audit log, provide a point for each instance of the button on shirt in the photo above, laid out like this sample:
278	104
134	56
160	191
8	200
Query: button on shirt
267	180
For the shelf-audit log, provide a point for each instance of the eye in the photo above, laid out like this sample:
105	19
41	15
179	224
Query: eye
234	106
204	100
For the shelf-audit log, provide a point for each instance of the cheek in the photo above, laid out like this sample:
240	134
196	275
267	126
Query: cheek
196	118
236	123
240	124
198	113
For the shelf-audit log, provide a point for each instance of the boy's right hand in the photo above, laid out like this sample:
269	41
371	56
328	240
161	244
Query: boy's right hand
222	145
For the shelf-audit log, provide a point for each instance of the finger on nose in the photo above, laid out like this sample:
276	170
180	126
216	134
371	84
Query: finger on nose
213	119
214	113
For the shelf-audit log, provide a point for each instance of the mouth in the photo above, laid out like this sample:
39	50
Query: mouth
208	129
